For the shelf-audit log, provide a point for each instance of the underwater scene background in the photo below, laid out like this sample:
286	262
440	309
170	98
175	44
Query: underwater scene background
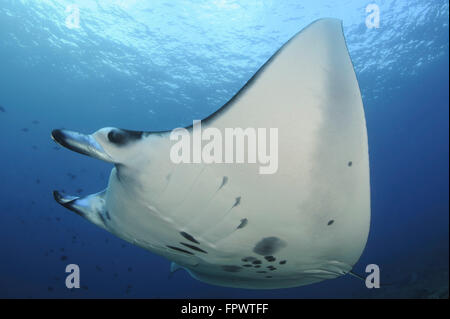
154	65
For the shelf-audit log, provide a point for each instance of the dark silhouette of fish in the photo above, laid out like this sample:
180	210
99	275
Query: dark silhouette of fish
2	109
72	176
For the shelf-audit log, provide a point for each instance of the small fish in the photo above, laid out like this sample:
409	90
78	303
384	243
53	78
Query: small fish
128	289
35	122
72	176
2	109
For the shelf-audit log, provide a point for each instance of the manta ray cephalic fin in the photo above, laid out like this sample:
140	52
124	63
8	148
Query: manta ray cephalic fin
91	207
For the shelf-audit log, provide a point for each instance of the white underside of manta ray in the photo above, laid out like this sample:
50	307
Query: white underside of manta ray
228	225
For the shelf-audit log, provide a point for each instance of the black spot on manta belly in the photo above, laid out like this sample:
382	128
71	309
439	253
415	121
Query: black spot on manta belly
231	268
194	248
270	258
189	237
330	222
269	246
350	163
102	218
224	181
243	223
237	202
249	259
180	250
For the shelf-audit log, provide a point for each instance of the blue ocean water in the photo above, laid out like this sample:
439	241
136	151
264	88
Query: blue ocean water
153	65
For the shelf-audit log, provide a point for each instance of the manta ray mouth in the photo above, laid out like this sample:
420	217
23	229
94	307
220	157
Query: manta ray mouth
80	143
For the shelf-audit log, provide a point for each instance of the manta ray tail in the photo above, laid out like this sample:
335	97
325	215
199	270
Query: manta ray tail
352	273
356	275
91	207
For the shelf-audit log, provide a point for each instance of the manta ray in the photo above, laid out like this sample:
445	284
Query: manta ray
225	223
